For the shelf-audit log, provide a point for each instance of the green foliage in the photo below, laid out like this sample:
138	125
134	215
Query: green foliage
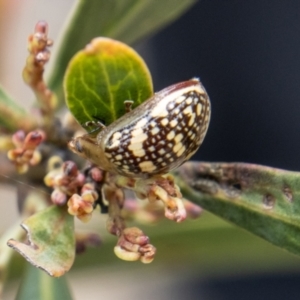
7	104
51	240
101	77
126	20
263	200
38	285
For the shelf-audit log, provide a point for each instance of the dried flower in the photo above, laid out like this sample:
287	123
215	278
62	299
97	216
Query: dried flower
26	154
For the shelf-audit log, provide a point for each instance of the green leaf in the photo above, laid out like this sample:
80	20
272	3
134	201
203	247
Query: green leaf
101	77
6	254
263	200
126	20
37	285
12	115
51	241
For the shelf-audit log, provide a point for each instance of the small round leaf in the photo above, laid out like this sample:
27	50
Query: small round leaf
101	77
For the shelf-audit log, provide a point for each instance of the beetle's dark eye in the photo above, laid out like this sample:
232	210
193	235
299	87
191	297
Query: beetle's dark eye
78	146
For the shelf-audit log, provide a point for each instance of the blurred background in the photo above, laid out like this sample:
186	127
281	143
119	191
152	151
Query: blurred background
247	55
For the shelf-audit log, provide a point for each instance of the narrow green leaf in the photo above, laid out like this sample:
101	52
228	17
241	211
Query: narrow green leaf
263	200
37	285
6	254
51	241
126	20
11	113
101	77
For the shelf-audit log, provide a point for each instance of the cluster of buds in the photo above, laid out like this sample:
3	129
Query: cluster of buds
25	153
134	245
158	188
150	213
39	55
83	205
73	187
81	190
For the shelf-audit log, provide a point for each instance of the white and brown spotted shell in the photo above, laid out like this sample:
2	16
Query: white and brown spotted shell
157	136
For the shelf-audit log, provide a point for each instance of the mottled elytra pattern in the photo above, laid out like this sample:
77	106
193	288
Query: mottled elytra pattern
161	133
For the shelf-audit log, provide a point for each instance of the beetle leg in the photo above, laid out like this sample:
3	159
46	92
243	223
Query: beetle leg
95	125
128	105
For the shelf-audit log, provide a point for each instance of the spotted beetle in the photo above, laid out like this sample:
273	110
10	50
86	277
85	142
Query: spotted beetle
154	138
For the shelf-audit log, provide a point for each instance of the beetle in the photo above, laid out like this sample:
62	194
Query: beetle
154	138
